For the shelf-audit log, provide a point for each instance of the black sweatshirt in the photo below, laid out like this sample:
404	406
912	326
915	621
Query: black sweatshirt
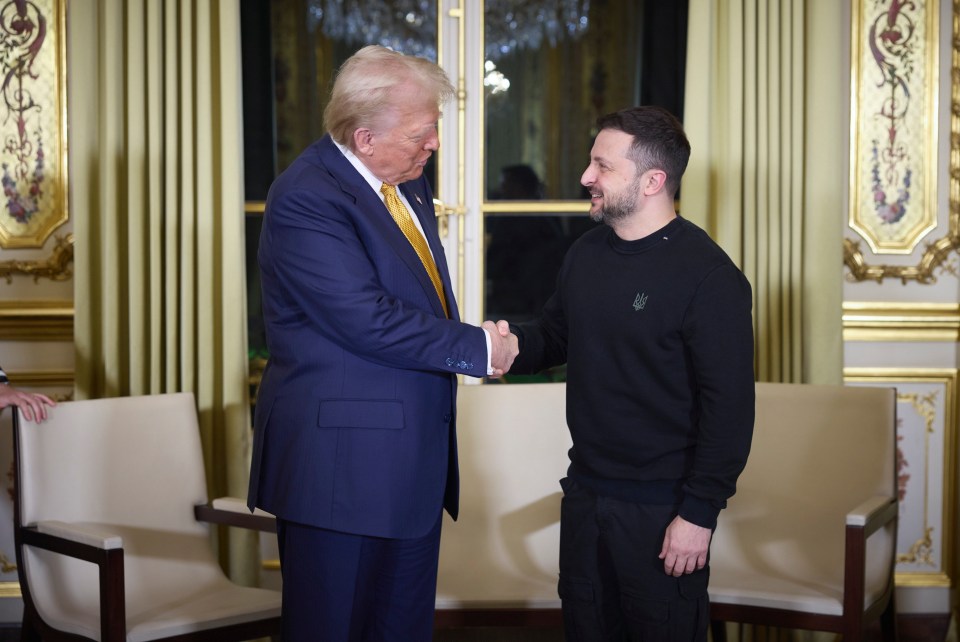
658	340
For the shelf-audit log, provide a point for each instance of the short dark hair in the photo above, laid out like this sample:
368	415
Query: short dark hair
658	140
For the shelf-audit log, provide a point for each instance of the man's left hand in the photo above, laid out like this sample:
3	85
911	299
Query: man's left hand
685	547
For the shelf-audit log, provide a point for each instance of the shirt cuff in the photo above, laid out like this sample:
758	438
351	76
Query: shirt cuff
486	335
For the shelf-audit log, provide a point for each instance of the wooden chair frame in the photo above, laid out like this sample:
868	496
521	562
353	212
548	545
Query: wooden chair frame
111	573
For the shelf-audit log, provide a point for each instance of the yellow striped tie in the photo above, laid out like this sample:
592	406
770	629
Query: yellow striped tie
402	216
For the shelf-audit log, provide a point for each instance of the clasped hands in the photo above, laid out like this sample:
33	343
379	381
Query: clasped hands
504	346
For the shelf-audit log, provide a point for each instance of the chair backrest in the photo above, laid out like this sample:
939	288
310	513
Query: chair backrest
818	452
513	450
131	467
133	461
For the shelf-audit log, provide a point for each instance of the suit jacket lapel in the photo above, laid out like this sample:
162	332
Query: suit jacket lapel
372	209
423	209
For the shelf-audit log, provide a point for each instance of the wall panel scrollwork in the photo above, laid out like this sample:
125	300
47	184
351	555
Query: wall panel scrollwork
893	177
33	159
926	470
56	267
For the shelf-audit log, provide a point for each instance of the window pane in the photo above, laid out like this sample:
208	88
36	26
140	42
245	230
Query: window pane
524	252
553	66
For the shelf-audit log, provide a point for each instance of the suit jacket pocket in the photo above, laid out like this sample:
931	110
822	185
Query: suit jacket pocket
361	413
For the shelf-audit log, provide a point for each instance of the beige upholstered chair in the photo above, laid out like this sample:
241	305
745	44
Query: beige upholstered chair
809	539
107	537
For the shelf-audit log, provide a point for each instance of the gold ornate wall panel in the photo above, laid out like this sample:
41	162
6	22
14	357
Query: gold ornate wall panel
926	469
33	159
894	117
893	142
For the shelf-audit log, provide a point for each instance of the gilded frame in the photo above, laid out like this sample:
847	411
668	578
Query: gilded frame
921	412
33	121
894	109
935	252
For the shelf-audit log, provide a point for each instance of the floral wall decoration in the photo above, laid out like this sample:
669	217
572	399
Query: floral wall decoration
893	123
32	121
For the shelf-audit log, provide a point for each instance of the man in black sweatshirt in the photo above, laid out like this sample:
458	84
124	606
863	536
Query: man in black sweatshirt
653	320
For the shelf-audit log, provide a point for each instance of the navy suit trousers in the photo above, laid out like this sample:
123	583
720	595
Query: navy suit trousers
342	587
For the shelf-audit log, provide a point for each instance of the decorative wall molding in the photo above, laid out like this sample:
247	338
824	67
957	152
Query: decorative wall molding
901	322
56	267
926	469
42	378
935	253
36	321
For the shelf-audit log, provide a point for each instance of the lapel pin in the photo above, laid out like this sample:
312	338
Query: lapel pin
417	196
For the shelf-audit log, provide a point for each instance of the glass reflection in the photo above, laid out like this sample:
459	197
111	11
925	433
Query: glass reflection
524	252
552	67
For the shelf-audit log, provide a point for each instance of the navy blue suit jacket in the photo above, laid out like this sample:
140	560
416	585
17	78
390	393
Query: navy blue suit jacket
355	423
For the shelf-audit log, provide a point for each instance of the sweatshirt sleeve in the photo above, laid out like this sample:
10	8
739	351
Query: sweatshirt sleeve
543	342
718	331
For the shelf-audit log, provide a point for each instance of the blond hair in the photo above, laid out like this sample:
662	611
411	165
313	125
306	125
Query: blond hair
361	91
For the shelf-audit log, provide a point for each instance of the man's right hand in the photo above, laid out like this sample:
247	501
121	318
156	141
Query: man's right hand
504	346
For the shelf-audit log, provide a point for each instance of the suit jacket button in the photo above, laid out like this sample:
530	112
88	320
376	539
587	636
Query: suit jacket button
447	417
449	361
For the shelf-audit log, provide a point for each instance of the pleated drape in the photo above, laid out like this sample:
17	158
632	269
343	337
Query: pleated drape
765	114
156	160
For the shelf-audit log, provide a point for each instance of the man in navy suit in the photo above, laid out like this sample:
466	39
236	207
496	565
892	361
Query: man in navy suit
355	446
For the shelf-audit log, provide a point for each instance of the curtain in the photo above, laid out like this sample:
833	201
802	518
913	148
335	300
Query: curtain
765	112
157	197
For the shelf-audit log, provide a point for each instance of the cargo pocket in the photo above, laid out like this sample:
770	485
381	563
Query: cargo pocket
581	616
647	618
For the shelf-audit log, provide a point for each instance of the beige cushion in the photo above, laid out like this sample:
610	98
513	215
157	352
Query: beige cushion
128	468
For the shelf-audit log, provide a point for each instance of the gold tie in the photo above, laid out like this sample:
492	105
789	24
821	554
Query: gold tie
402	216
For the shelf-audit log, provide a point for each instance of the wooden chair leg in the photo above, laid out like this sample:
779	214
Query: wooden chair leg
28	629
888	622
718	630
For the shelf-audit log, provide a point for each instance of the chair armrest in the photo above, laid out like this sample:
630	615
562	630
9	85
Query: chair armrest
233	511
862	522
81	534
90	544
873	513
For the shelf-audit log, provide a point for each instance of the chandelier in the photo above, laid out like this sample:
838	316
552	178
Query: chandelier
410	26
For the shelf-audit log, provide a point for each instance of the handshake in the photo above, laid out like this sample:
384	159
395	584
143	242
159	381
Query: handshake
504	346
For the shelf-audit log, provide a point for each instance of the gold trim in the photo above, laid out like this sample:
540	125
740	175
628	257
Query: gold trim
933	257
36	320
56	267
537	207
901	322
254	207
10	589
270	565
948	378
41	378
